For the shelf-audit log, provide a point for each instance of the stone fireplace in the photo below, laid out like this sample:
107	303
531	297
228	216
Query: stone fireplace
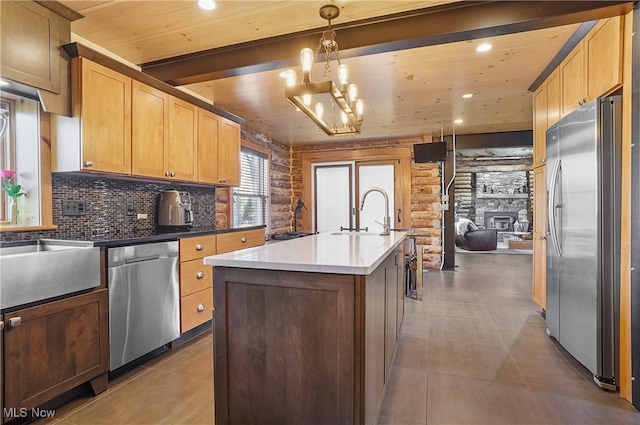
501	220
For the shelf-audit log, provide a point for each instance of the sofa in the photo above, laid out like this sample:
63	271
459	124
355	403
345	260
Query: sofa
478	240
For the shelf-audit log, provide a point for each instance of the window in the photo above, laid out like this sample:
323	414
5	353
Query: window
20	151
251	198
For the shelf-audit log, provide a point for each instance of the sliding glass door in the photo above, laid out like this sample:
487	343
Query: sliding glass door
338	190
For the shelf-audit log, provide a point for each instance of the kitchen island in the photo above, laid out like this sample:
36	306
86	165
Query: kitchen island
305	330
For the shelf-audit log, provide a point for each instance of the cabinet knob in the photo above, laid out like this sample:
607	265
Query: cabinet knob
1	325
167	174
200	247
200	274
173	174
223	180
543	238
543	160
15	321
200	308
243	240
88	163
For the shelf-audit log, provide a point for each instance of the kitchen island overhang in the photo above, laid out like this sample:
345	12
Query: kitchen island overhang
305	330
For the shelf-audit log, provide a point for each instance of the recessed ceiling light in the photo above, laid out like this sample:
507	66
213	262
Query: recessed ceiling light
207	4
467	95
458	121
484	47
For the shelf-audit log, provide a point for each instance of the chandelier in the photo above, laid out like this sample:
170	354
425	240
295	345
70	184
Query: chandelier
344	106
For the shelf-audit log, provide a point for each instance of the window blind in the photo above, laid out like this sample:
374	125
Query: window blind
251	198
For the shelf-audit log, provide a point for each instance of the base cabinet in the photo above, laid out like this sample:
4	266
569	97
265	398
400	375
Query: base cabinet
52	348
303	348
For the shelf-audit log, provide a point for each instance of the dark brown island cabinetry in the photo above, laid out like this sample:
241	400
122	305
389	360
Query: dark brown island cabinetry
294	347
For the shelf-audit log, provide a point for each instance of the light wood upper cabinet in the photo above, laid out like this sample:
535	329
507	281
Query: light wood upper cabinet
183	135
594	67
122	125
572	74
208	135
150	130
101	99
229	153
604	47
539	281
546	112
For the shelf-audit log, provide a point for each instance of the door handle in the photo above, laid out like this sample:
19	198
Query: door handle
399	218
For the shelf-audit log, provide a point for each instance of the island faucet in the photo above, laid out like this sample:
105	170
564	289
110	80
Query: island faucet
386	227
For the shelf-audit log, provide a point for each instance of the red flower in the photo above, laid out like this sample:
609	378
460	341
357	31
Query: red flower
7	174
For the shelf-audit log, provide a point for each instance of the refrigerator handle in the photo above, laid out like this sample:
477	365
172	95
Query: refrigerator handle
552	206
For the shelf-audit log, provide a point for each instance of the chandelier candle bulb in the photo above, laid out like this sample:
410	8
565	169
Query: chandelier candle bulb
306	59
306	98
319	110
360	108
290	77
353	93
343	75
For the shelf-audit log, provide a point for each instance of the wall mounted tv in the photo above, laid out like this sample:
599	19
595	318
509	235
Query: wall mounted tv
430	152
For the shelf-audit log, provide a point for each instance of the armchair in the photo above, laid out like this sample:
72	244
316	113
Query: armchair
478	240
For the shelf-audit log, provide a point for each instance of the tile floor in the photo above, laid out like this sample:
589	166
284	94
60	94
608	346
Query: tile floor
474	351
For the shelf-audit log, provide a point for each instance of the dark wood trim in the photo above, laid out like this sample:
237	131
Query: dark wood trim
448	23
60	9
506	139
79	50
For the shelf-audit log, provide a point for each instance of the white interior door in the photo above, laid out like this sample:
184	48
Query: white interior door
333	199
381	176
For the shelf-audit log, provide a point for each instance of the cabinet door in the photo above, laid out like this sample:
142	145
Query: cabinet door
30	38
149	127
572	71
552	87
604	61
539	125
56	347
183	131
208	130
539	284
229	153
105	111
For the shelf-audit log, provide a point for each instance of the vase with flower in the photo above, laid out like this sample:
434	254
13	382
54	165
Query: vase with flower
14	192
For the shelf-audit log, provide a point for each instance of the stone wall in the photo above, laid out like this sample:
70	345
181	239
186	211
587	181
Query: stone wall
494	186
281	198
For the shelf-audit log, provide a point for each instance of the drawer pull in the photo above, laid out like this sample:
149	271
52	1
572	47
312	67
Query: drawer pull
200	308
1	325
200	274
15	321
243	240
200	247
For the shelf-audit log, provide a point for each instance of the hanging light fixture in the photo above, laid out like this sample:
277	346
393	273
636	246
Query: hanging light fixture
340	106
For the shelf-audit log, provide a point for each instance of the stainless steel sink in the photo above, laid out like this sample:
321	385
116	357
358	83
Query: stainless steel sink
37	270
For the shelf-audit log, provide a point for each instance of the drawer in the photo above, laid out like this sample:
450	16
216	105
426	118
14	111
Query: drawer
227	242
197	247
195	309
194	276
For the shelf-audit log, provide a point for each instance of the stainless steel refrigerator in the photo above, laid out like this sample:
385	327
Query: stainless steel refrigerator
583	239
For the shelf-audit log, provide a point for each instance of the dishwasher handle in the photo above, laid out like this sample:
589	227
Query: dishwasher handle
140	259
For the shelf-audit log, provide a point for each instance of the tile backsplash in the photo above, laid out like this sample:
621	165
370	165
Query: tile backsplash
106	202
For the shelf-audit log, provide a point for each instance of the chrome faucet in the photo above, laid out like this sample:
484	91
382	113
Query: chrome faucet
386	227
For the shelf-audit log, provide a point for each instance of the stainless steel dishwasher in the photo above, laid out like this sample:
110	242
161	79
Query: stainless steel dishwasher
144	300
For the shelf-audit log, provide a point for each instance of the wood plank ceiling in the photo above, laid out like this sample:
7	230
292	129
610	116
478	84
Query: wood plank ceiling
408	91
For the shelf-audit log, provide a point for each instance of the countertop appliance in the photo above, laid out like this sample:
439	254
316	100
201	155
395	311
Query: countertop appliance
583	241
174	209
144	300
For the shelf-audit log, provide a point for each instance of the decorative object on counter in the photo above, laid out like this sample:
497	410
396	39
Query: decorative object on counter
345	99
14	192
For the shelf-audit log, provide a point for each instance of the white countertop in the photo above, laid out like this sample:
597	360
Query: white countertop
357	253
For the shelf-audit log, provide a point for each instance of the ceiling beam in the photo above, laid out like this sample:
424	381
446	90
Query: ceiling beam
448	23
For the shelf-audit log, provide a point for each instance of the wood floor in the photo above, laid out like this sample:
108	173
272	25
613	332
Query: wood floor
474	351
